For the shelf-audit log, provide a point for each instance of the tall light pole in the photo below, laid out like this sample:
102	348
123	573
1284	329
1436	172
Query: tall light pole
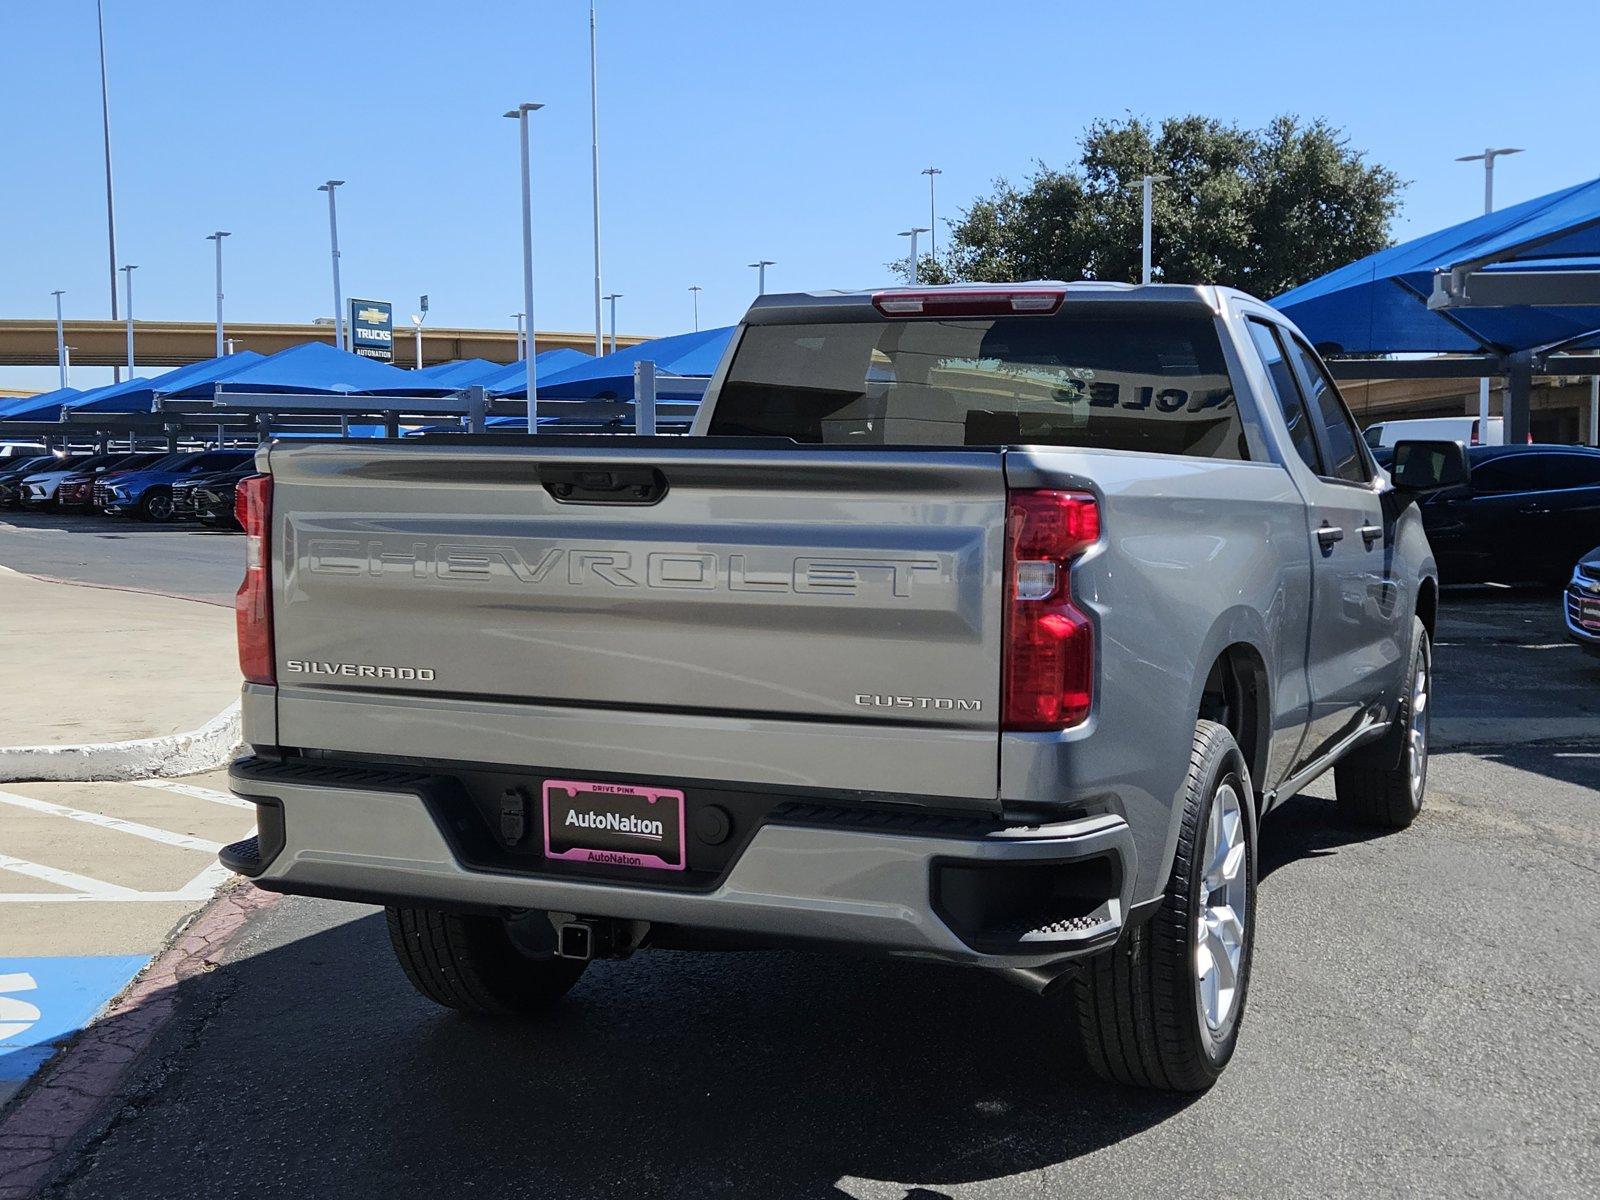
1487	158
761	266
1147	189
217	238
521	348
933	238
127	275
105	129
911	259
333	241
694	290
521	114
61	340
594	160
417	318
613	298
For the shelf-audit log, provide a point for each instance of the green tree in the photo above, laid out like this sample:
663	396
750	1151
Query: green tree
1263	210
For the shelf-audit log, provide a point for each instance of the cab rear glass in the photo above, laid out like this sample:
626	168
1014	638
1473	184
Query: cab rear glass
1157	384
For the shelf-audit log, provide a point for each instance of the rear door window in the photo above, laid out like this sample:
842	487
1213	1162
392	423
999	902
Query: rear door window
1152	383
1536	472
1290	401
1339	438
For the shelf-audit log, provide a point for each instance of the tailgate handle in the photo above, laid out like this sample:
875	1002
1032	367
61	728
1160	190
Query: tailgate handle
604	485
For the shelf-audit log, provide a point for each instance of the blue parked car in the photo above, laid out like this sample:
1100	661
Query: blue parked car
147	493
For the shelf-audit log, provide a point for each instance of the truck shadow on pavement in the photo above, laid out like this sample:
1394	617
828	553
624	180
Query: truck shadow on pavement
311	1068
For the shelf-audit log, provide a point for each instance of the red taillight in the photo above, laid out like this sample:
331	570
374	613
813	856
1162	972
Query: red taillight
969	302
252	505
1048	677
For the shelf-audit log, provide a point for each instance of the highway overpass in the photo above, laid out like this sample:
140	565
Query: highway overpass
29	343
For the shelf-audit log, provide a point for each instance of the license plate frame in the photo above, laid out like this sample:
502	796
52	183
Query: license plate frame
641	836
1589	613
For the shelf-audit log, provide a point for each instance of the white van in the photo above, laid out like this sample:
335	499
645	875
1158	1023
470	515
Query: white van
1436	429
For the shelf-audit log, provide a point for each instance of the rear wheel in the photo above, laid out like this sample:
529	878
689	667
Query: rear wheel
1162	1008
470	963
1382	784
156	505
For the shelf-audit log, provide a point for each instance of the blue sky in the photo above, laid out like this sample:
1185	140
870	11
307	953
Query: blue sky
729	132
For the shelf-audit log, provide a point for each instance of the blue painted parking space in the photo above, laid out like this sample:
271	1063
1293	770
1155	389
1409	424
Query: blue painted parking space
44	1001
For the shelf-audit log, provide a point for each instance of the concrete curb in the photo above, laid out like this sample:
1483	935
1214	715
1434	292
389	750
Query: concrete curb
211	746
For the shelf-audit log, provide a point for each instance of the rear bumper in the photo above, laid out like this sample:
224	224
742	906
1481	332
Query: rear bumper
884	885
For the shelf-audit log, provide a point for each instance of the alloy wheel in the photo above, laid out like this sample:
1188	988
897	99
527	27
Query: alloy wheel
1220	925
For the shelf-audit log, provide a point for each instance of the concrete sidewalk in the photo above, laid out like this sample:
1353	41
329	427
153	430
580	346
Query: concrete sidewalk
83	664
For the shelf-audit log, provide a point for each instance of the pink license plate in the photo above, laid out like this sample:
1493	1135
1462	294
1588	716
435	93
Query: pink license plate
614	824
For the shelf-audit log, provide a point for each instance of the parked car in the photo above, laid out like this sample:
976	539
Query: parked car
38	490
147	493
1522	513
76	491
214	497
17	450
1582	603
983	628
1469	430
14	470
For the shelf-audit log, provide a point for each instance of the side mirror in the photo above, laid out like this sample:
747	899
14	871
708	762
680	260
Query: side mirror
1429	466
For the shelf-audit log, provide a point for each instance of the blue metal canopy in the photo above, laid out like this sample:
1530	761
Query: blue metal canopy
318	369
1540	248
48	403
687	355
462	372
195	381
550	362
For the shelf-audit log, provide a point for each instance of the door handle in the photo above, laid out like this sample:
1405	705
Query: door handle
1328	535
1370	534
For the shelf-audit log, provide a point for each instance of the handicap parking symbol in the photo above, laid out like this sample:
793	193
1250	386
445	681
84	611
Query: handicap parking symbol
44	1001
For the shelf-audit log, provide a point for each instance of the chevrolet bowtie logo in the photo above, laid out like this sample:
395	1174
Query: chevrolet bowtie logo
372	316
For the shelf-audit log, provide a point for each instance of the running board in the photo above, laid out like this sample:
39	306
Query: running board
1370	724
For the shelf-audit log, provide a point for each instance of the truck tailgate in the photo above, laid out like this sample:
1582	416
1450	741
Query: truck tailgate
824	619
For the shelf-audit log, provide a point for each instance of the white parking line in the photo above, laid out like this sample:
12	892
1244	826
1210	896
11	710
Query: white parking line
199	793
149	833
92	889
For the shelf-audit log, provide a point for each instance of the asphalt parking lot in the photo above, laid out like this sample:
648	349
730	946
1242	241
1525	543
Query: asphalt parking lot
1424	1020
181	560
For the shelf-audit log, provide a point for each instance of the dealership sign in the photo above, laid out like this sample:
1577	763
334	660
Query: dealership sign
372	329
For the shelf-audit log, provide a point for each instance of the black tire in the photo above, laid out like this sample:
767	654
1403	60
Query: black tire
1373	785
1138	1004
469	963
156	505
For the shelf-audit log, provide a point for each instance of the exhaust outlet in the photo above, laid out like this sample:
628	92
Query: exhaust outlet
1042	981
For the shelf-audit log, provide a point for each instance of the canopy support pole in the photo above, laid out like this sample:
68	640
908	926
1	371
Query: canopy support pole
1594	410
391	424
644	398
476	403
1519	397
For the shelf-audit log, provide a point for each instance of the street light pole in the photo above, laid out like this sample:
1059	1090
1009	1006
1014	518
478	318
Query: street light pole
594	159
105	129
933	238
695	290
761	266
217	238
1487	158
613	298
61	340
333	239
912	260
520	348
127	274
521	114
1147	188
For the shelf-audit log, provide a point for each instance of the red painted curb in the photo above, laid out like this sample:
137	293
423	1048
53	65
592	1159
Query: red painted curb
91	1072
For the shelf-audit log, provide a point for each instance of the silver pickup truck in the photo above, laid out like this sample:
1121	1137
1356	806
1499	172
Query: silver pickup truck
979	625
